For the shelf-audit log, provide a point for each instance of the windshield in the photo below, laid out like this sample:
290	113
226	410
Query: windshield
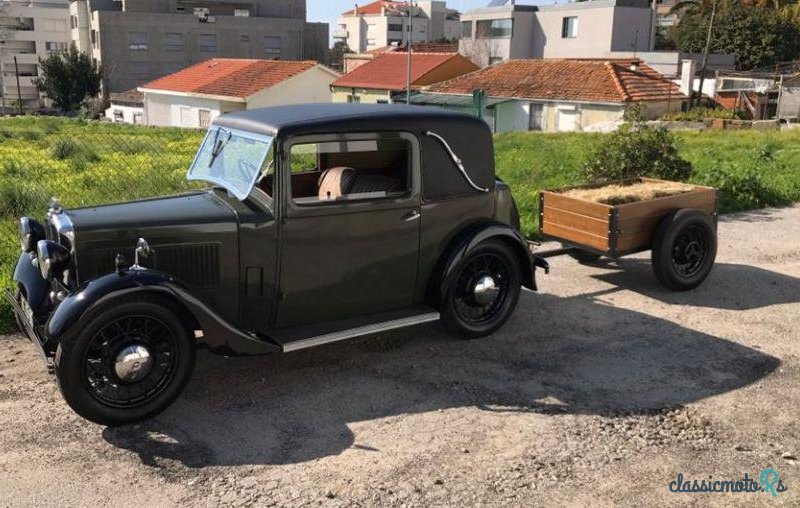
231	159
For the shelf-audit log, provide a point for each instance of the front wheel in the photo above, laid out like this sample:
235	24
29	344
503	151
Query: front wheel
483	291
128	363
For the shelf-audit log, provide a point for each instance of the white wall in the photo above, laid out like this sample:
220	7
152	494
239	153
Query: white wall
176	111
128	113
314	85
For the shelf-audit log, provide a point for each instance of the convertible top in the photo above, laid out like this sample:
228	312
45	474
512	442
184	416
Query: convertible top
469	137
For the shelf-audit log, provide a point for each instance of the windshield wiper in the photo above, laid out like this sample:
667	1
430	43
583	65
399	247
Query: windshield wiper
219	145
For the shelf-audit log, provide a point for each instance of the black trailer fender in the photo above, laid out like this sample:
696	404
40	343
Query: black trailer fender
219	335
474	236
29	278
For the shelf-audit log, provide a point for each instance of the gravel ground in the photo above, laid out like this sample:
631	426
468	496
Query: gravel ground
600	391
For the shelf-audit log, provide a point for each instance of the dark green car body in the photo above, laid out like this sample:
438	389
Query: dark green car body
258	274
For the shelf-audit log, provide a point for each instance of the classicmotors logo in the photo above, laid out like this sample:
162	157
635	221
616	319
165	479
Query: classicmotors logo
769	481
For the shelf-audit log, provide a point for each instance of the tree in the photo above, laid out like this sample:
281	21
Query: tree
68	78
339	49
759	37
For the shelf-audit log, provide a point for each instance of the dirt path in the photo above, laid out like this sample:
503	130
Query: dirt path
600	391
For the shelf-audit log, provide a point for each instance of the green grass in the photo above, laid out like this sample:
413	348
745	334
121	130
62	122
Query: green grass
86	163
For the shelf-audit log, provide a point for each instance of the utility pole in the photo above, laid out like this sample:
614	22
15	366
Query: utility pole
653	25
409	51
705	52
3	74
19	90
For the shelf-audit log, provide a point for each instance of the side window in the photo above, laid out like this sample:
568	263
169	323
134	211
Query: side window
336	171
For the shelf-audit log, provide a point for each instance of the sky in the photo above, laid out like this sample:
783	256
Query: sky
329	10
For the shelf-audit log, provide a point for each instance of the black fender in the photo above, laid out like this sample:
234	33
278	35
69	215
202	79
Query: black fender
28	276
219	335
470	238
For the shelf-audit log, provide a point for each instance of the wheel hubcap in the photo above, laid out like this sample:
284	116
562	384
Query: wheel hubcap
689	251
485	290
133	363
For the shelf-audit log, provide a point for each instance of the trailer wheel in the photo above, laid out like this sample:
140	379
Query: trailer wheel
684	249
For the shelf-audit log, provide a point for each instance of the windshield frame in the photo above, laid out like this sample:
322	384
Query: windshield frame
221	182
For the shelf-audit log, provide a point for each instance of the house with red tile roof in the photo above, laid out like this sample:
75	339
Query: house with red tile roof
380	79
557	95
194	96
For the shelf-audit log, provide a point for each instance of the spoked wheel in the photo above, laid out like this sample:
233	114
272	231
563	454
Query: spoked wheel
684	249
128	363
483	291
130	360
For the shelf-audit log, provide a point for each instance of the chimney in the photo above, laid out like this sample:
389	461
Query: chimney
688	70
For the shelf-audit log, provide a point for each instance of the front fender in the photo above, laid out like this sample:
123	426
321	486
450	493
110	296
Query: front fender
219	335
28	276
472	237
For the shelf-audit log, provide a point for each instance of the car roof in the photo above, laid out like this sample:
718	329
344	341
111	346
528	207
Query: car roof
309	118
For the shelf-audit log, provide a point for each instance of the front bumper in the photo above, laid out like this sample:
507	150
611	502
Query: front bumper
25	320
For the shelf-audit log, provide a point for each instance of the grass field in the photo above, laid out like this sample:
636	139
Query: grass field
91	163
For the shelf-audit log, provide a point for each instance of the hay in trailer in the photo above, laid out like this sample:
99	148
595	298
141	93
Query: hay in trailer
616	194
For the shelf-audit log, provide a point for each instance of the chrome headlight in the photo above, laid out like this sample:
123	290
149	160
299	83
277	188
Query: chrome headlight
52	258
30	232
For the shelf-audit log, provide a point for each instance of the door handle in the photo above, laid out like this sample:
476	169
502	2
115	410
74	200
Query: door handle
412	215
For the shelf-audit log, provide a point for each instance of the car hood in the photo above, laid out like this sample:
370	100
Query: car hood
186	232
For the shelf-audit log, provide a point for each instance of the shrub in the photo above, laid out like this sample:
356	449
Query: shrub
64	148
700	113
742	188
17	199
29	135
636	150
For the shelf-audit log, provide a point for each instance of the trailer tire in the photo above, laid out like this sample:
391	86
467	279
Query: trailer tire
684	249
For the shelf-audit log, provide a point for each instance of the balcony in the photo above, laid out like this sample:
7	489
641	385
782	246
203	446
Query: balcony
340	33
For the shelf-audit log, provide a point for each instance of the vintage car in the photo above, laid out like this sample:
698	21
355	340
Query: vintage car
321	223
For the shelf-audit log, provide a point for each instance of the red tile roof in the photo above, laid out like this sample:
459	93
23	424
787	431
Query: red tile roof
229	77
388	71
374	7
611	81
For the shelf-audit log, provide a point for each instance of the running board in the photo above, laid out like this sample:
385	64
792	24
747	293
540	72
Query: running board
359	331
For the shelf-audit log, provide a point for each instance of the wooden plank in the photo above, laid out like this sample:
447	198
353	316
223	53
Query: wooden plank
695	199
587	208
636	233
575	236
573	220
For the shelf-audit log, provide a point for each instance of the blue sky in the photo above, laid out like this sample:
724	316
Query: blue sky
329	10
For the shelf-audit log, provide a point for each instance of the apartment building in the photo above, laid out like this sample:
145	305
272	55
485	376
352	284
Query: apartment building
594	29
29	30
387	23
135	41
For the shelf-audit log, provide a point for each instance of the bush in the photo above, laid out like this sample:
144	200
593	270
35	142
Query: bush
700	113
16	199
637	150
64	149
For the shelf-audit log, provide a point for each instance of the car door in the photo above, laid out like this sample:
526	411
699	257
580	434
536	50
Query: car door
350	238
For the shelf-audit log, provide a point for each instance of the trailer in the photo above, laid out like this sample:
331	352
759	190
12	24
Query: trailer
679	229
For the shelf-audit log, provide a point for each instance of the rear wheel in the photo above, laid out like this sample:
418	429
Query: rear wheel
483	292
684	249
128	363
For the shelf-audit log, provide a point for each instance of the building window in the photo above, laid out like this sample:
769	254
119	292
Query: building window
93	38
495	60
495	28
370	43
55	47
138	119
273	45
73	21
569	27
118	116
535	117
353	99
173	41
242	13
205	118
137	41
394	27
244	38
466	29
207	43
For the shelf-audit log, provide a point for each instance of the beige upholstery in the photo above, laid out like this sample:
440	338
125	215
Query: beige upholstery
335	182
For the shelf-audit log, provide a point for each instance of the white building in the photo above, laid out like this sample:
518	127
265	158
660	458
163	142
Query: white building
29	29
386	23
593	29
194	96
